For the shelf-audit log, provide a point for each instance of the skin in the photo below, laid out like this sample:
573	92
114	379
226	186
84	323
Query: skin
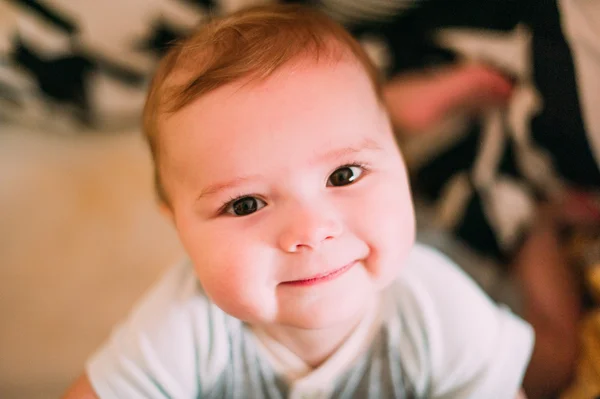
551	297
290	136
280	142
417	101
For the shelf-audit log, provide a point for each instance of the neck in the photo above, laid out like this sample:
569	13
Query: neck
315	346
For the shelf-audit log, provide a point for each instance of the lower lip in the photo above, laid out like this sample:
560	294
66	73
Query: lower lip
321	279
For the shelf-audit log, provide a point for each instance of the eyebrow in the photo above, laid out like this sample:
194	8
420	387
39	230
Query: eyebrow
366	144
213	189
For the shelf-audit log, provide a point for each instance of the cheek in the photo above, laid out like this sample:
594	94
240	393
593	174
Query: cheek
233	270
390	232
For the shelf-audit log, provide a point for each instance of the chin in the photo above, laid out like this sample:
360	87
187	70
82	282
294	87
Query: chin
327	313
319	323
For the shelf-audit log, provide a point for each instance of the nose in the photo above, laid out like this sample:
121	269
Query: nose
307	229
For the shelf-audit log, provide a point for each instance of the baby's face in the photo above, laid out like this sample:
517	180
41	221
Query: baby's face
290	195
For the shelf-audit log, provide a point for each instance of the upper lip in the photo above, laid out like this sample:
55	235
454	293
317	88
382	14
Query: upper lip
321	274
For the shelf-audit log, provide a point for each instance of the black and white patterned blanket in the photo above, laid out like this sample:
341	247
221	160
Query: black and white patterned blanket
83	65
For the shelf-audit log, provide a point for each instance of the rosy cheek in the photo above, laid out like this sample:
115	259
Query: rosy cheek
223	281
235	274
390	230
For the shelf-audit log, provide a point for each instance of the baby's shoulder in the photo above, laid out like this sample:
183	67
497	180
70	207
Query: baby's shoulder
422	271
176	309
176	299
447	324
174	333
430	279
437	305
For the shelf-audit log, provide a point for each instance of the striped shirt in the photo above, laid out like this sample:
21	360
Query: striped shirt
434	334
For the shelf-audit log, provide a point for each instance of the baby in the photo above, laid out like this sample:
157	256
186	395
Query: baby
276	162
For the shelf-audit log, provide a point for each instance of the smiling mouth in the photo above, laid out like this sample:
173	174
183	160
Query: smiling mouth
321	278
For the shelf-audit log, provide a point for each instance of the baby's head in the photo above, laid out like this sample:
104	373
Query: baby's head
276	161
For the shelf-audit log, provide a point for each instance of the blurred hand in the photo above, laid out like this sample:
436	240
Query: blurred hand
418	101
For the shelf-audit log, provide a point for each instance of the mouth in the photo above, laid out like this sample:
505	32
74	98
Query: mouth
320	278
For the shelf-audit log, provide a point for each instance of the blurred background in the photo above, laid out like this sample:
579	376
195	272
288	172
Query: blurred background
495	103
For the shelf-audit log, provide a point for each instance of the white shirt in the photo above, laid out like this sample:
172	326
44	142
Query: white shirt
435	335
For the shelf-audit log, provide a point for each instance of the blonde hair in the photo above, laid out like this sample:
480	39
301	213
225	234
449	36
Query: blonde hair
249	44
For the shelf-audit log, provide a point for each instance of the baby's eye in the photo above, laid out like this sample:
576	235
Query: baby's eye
245	206
345	175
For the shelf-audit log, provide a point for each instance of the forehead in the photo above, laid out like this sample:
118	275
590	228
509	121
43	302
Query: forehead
300	109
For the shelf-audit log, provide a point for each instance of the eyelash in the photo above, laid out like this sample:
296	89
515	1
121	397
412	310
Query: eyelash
231	200
223	209
365	168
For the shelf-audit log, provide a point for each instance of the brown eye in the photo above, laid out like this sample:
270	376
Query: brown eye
344	176
245	206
